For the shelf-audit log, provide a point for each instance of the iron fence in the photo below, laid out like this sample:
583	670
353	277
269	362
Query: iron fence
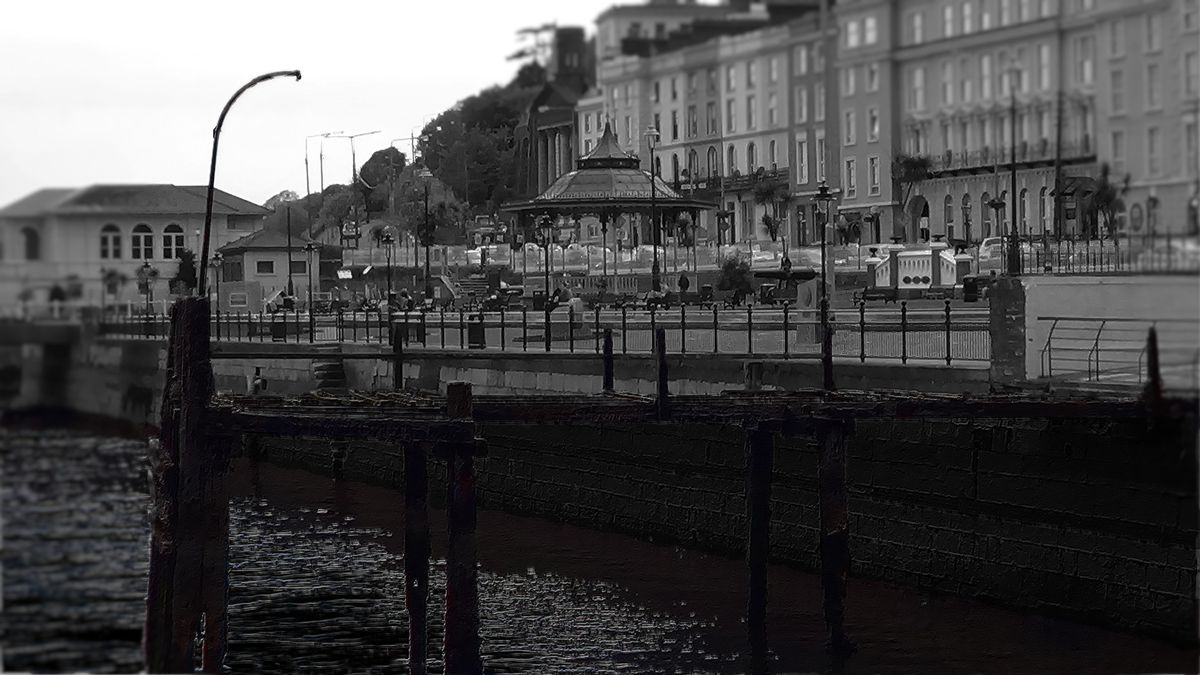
1113	351
943	334
1133	255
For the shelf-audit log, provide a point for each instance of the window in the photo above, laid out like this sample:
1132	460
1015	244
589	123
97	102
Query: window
1025	10
985	76
802	161
730	113
674	125
33	243
1118	147
985	16
1044	65
851	178
1153	32
872	77
1006	16
628	130
947	83
848	81
946	142
964	135
674	166
968	85
948	21
110	242
1116	38
948	210
1191	74
751	112
1153	151
299	267
654	95
751	157
693	122
916	92
731	161
587	124
713	159
872	124
819	57
819	102
870	31
801	104
674	89
751	74
848	128
691	77
1118	91
771	119
800	57
143	242
1191	10
693	167
710	112
773	70
627	96
873	175
1153	90
852	34
264	266
711	77
238	299
587	146
172	242
771	158
657	122
1047	8
967	27
1083	59
730	78
1191	151
917	21
820	155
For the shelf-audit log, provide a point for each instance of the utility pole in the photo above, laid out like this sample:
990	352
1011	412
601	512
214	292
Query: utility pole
290	288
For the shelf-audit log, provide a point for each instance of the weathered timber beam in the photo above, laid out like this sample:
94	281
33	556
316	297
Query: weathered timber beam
377	427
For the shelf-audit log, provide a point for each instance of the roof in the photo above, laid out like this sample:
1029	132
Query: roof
131	200
270	238
607	177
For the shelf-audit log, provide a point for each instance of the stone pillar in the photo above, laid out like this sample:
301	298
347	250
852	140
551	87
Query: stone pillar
962	266
935	263
873	265
894	259
1007	327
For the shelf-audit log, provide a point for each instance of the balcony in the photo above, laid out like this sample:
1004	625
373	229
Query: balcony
747	181
1029	154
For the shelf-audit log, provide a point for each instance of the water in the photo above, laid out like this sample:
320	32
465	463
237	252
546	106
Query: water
317	587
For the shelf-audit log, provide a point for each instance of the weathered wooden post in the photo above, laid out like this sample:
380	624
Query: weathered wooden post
416	554
760	450
461	646
215	571
834	543
608	361
664	395
164	482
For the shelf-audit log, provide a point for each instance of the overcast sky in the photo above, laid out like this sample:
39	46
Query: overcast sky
127	91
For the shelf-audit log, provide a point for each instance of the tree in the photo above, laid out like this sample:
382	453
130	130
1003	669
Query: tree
735	276
283	196
771	193
184	281
771	225
907	171
1106	201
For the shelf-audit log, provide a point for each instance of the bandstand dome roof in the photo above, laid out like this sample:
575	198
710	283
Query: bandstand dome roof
607	178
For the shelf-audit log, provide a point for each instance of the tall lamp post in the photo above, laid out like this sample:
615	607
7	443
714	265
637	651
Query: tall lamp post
1014	245
321	159
652	137
426	235
217	260
311	247
202	287
387	242
825	198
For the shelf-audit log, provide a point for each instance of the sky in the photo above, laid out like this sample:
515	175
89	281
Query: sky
126	91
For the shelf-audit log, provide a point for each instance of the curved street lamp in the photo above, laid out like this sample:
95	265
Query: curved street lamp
311	247
202	287
652	137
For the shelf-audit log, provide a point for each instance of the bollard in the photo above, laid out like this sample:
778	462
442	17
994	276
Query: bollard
834	542
749	330
947	332
664	397
608	360
546	329
524	328
862	331
715	329
416	555
683	329
904	331
759	460
461	645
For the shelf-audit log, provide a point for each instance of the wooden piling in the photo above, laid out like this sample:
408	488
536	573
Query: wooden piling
608	361
760	450
461	647
1152	392
664	395
215	581
416	555
834	545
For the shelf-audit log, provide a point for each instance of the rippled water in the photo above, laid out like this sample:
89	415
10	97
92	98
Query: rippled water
317	586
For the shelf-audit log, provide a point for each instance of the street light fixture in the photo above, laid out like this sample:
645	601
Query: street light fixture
426	235
387	242
217	260
652	137
321	159
825	198
202	287
311	247
1014	246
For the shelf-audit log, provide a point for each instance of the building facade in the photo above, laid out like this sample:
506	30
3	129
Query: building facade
99	236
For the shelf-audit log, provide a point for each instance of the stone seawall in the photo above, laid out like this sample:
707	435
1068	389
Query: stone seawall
1086	519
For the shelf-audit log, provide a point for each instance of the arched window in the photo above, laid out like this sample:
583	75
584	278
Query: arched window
948	209
658	166
1003	227
985	215
674	166
110	242
1023	211
143	242
771	157
751	157
173	243
693	164
1045	209
731	164
966	217
33	244
713	159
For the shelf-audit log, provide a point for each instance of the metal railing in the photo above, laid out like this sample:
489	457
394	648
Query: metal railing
1113	351
945	334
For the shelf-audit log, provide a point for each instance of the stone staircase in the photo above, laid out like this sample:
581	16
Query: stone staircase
329	371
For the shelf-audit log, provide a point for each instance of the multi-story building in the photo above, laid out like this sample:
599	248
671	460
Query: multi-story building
104	233
1148	98
964	68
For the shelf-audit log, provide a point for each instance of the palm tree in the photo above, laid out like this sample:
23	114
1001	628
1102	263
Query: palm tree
907	171
1106	200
